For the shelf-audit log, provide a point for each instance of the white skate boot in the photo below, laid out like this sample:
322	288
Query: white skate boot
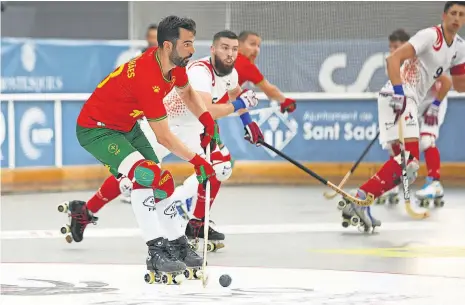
432	190
391	197
358	216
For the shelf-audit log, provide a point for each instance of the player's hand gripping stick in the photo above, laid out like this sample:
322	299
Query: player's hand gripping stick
210	134
289	105
354	167
203	169
431	114
253	134
367	202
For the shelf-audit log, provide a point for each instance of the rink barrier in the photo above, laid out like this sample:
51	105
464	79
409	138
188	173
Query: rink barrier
244	173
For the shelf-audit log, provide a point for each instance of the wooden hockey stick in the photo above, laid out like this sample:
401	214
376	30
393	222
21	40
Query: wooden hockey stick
367	202
405	182
354	167
206	225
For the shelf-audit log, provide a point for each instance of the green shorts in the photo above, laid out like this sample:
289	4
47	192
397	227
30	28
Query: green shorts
111	147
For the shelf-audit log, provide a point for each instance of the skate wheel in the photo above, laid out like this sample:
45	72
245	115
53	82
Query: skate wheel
439	204
211	247
63	208
381	201
189	274
167	279
69	239
341	204
65	229
178	279
219	245
149	278
395	200
345	223
424	203
355	220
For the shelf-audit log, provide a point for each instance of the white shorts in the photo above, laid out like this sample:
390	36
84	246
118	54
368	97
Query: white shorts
432	130
189	134
388	131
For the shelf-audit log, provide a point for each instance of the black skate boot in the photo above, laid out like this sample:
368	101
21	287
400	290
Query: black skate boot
162	266
181	250
195	231
80	217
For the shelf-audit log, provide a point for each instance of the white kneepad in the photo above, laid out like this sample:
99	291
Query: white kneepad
223	170
125	186
427	141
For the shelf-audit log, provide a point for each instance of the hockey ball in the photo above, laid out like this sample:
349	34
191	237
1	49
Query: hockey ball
225	280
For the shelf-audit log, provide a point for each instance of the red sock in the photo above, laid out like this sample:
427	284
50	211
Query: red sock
390	173
106	193
433	162
199	211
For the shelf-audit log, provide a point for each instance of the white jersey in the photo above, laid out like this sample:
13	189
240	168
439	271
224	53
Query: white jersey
203	78
433	57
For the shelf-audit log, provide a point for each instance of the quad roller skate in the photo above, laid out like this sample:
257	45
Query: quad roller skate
162	266
79	217
195	231
182	251
357	216
391	197
432	190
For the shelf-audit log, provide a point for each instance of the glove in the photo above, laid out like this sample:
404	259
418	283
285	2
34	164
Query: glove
252	132
398	100
210	134
431	114
247	99
203	169
289	105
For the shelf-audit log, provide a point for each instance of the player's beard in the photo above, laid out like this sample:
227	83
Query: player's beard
221	68
178	60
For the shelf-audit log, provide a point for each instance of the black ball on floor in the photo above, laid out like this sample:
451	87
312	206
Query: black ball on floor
225	280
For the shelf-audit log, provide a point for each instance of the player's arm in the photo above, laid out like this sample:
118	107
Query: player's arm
415	46
444	88
457	71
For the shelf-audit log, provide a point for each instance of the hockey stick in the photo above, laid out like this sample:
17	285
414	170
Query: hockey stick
354	167
405	182
367	202
206	225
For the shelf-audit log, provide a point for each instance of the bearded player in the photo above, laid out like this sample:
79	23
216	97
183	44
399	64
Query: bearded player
430	124
413	69
107	128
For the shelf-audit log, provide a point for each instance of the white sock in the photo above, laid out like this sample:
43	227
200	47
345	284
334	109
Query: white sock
143	205
169	219
187	190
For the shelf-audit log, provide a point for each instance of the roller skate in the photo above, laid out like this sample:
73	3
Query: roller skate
391	197
358	216
162	266
79	217
181	250
195	231
431	190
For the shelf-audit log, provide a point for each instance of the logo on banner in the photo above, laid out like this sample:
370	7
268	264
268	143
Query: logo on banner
278	128
338	61
31	136
28	79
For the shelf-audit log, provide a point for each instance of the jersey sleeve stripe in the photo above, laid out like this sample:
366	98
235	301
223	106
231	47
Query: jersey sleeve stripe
157	119
458	69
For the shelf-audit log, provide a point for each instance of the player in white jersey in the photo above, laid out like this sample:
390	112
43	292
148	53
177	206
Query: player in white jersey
429	133
215	79
412	70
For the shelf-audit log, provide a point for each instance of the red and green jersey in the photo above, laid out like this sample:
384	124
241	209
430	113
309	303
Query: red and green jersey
133	90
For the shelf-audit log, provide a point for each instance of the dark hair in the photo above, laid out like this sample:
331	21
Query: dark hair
168	29
245	34
449	4
224	34
399	35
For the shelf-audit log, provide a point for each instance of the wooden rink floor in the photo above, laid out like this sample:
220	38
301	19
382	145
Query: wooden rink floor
283	244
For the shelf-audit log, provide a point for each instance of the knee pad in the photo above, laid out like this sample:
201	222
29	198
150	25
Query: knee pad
222	165
165	186
147	173
427	141
125	186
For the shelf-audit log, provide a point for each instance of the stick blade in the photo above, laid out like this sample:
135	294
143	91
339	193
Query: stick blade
413	214
329	196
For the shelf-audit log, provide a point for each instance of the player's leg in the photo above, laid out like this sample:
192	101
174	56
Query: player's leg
432	189
150	186
170	223
390	173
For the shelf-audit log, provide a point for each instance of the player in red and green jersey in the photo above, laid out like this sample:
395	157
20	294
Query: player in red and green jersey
249	48
107	128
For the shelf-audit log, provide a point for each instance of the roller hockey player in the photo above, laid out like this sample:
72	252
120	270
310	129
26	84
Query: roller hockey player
107	128
429	133
412	70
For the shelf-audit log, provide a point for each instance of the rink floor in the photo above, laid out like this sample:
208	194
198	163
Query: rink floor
289	248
